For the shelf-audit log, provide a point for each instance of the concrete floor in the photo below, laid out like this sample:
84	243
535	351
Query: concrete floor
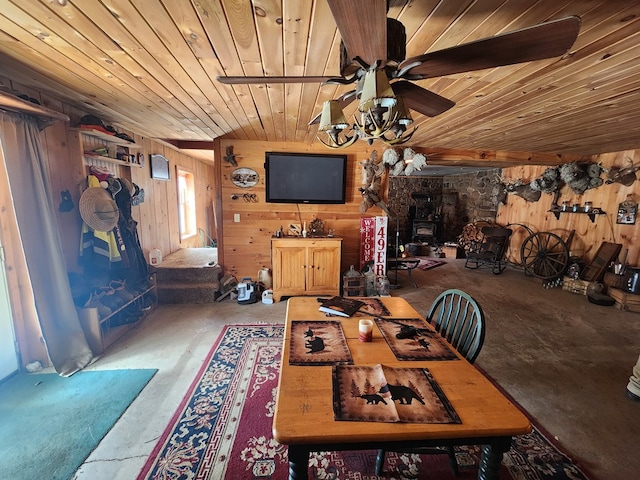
563	359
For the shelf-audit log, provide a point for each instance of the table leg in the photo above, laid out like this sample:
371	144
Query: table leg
415	285
298	462
491	458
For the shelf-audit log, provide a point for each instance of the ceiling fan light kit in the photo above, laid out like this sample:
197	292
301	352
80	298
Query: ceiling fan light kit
373	53
333	123
382	115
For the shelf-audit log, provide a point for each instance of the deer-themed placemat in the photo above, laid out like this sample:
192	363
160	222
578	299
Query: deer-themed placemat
411	339
372	307
378	393
318	343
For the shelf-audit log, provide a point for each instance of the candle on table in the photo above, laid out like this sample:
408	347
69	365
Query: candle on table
365	330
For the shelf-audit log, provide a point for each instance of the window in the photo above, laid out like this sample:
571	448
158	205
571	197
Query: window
186	203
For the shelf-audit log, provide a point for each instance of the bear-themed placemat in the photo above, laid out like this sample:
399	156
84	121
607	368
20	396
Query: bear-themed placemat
378	393
320	342
411	339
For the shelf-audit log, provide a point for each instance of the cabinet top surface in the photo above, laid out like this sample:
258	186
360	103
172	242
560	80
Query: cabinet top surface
304	239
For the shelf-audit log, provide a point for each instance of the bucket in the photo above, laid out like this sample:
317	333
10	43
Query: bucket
155	256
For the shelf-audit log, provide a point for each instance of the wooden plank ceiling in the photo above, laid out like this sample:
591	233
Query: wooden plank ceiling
150	66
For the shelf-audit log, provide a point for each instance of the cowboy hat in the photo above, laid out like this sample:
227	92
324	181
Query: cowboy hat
98	209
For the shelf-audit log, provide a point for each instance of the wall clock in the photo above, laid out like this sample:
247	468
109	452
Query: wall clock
244	177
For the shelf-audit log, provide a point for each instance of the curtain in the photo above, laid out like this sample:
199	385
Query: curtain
25	164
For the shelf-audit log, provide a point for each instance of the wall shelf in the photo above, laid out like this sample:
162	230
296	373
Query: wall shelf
107	138
591	213
92	139
112	160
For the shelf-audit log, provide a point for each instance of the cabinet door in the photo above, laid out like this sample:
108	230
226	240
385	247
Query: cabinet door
323	270
289	269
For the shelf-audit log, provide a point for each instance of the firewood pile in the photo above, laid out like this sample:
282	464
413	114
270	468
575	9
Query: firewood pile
471	235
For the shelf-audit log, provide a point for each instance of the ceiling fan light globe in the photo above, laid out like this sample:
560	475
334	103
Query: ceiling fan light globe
403	115
386	102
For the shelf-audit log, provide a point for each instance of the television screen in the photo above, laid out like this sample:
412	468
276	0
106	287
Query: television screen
305	178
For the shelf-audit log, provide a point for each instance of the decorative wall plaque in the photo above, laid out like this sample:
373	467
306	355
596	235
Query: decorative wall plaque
244	177
159	167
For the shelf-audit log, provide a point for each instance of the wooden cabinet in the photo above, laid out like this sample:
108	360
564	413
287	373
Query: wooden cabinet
305	266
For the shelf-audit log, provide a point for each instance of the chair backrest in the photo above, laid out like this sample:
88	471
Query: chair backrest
495	240
460	320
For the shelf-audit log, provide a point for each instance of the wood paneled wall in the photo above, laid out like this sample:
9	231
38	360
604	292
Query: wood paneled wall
588	235
156	216
247	244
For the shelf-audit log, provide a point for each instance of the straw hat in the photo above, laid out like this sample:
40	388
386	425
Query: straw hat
98	209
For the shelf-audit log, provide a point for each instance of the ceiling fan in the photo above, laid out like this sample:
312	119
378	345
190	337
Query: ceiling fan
373	58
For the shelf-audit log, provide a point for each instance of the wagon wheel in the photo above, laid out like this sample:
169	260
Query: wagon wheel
544	255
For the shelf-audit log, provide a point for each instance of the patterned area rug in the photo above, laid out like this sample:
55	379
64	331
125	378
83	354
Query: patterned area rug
427	262
222	429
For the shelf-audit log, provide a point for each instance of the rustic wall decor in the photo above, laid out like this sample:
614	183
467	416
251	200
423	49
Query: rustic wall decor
159	167
627	212
245	177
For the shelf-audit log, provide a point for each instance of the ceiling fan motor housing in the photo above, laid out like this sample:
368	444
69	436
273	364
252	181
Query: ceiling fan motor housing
396	48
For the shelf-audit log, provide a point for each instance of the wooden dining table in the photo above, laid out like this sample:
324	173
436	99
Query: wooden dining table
304	413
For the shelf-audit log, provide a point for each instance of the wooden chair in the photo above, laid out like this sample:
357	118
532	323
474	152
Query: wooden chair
491	250
460	320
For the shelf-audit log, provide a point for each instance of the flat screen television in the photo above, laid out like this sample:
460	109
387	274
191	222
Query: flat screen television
305	178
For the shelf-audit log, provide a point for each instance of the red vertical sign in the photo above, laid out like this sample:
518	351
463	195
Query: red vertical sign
367	248
373	243
380	265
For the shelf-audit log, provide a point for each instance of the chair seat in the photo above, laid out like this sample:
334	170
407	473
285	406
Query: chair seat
491	250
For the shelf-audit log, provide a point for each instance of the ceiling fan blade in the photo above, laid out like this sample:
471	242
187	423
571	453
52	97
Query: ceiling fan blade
258	80
363	28
546	40
420	99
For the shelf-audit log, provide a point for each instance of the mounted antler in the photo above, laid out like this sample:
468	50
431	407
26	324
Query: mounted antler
523	190
626	176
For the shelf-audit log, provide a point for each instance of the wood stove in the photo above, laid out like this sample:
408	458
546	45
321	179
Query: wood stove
424	231
424	219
